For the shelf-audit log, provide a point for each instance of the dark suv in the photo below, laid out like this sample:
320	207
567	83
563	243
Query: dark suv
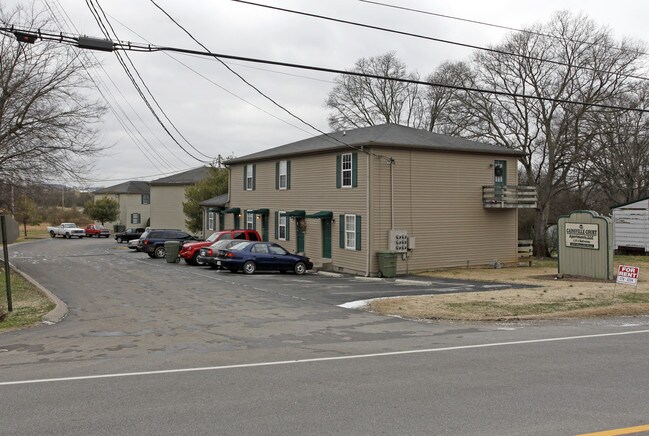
152	242
129	234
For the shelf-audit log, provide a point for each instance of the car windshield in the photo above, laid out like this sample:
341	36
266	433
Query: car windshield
240	246
212	237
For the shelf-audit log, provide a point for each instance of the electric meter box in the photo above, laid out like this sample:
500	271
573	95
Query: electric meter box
398	240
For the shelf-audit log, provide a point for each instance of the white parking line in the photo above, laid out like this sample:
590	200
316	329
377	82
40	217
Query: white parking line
320	359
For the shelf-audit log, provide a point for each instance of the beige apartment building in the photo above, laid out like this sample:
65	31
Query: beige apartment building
134	201
168	196
345	197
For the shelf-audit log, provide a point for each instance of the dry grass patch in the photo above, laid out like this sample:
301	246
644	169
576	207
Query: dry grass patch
570	297
29	304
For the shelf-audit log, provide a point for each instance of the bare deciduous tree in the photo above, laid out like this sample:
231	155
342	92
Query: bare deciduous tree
589	67
362	101
619	166
47	119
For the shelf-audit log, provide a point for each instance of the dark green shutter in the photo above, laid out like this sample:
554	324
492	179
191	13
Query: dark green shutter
288	174
288	228
358	232
341	220
277	175
276	225
338	171
254	174
254	221
354	169
245	177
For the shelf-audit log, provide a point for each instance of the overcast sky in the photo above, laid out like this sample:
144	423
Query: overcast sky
220	115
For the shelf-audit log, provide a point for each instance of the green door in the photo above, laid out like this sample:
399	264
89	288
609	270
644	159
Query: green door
300	235
264	226
326	238
500	178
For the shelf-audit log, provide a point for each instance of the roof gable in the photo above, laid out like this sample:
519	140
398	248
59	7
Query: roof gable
190	177
131	187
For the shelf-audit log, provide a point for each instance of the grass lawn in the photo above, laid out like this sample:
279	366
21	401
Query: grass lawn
33	232
29	304
569	297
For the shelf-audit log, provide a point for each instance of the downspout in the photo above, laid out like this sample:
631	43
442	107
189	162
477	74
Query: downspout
369	244
391	194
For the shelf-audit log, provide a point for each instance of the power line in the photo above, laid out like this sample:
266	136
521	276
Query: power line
430	38
147	88
106	33
336	140
120	45
153	152
221	87
484	23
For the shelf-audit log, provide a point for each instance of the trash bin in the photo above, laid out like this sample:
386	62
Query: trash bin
387	263
172	248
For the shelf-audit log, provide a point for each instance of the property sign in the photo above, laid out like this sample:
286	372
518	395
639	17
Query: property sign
627	275
580	235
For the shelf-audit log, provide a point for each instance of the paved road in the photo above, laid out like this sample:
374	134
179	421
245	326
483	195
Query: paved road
151	347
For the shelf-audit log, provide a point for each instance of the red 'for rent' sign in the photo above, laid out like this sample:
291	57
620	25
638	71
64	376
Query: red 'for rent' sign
628	275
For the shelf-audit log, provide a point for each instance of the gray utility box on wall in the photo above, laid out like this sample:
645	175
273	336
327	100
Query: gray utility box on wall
398	240
586	245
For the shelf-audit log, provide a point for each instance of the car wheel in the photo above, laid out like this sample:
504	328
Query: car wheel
119	240
299	268
159	252
67	235
52	234
195	260
249	267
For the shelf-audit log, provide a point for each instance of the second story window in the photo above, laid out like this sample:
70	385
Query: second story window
249	177
283	174
146	198
347	170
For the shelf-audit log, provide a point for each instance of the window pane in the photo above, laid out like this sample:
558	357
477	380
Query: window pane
350	231
347	170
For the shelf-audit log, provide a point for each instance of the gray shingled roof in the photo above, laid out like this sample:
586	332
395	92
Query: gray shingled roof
384	135
185	178
219	200
132	187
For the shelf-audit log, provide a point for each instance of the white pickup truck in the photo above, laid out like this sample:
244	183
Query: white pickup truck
67	230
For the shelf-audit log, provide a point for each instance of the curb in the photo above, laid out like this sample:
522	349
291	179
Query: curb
59	312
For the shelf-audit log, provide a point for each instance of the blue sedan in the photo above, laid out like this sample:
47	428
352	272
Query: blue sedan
251	256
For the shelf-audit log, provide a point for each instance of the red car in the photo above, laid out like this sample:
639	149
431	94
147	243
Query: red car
93	230
190	250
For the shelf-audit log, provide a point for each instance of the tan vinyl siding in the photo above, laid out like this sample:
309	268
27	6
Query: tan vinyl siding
438	200
312	189
128	204
167	207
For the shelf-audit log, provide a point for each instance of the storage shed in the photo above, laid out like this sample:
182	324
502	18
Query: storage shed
631	226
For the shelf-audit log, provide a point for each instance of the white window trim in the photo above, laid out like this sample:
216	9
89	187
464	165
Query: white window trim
350	232
210	220
283	171
343	170
250	220
249	178
281	214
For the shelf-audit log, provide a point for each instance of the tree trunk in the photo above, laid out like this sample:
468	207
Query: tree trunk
540	225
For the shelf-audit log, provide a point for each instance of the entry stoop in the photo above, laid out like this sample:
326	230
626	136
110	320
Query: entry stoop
324	266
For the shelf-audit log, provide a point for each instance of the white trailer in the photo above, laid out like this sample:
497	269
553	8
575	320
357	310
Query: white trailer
631	226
